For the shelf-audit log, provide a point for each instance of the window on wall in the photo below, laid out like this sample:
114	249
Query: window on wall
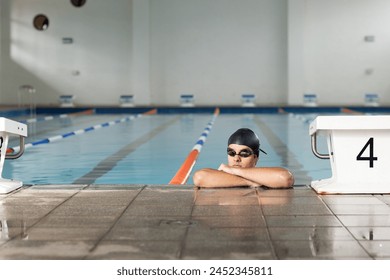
41	22
78	3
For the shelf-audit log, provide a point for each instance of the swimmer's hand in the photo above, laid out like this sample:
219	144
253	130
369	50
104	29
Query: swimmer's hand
225	168
234	170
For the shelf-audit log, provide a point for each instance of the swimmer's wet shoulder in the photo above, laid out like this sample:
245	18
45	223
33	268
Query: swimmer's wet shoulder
240	171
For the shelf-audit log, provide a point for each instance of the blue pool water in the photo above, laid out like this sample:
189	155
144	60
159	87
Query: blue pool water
149	149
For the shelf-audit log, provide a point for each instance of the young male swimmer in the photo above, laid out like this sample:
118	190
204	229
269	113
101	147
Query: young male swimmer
243	154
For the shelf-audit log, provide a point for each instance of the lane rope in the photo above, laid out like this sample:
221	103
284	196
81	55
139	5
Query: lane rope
82	131
61	116
185	169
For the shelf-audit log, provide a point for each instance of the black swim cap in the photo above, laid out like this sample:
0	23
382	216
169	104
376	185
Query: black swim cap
245	136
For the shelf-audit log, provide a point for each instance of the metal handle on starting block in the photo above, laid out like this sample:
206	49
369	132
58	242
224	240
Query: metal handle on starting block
314	148
20	152
9	127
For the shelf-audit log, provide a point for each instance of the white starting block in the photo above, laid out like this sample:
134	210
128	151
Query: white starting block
248	100
126	101
310	99
187	100
7	128
371	99
66	100
359	153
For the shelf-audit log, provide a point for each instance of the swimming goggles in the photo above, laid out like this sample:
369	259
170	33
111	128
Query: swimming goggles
243	153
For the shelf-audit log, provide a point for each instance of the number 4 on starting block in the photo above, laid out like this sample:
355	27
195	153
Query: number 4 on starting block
359	153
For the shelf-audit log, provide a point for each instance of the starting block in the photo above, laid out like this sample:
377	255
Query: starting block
371	99
310	100
66	100
7	128
248	100
187	100
359	153
126	101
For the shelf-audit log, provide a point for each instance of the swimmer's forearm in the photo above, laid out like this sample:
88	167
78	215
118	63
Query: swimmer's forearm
211	178
273	177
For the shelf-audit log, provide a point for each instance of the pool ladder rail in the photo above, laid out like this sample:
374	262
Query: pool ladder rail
7	128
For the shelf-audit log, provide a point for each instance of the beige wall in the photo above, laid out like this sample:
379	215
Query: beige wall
214	49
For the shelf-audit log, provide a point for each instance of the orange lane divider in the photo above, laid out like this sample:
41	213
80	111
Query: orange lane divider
150	112
85	112
281	111
349	111
185	169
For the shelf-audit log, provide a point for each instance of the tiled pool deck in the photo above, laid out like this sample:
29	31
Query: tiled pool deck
182	222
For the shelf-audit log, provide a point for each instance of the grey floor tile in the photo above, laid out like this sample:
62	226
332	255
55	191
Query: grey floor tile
65	234
360	209
365	220
88	210
158	210
60	187
296	209
71	221
13	231
21	212
226	210
153	221
178	201
319	249
45	192
166	193
45	250
290	200
302	221
351	199
100	187
370	233
226	197
161	233
293	192
136	250
227	250
174	222
310	233
103	197
32	201
168	187
230	221
18	222
200	233
377	249
384	197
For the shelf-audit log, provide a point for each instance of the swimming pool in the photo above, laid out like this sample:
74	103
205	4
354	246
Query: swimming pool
149	149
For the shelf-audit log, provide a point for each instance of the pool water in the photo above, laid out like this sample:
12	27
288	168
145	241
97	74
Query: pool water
149	149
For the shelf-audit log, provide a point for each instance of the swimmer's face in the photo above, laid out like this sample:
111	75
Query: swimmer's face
241	156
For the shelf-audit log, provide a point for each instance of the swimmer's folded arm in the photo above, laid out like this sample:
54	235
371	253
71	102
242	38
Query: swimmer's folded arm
213	178
228	176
